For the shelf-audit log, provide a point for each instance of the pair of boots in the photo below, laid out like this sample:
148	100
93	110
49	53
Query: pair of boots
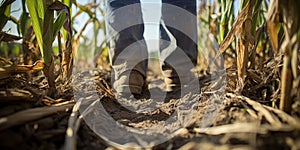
134	83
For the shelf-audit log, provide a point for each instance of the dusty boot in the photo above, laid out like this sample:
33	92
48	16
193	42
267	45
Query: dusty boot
177	84
128	85
172	81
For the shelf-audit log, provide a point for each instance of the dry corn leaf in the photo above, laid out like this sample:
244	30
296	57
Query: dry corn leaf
11	95
31	115
273	24
8	71
236	27
5	62
5	37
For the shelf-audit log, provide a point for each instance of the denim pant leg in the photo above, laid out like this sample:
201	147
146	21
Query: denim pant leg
179	26
127	47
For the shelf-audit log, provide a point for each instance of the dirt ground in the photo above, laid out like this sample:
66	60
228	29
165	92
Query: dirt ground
31	120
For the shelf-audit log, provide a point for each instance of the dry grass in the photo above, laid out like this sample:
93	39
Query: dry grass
261	55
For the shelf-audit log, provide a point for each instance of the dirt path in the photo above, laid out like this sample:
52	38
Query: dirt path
31	120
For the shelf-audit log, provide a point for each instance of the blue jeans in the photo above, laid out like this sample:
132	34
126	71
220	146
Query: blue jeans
128	50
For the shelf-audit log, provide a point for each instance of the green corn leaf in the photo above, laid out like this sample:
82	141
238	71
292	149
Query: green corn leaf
255	18
40	7
37	17
67	2
24	19
24	23
59	22
48	33
63	19
227	14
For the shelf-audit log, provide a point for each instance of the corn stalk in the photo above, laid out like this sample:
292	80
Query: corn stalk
42	19
45	28
67	59
242	28
64	19
290	48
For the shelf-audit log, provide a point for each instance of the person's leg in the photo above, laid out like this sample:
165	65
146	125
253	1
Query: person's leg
127	48
179	25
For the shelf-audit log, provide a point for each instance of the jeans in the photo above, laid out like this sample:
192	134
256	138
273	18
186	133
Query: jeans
127	47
